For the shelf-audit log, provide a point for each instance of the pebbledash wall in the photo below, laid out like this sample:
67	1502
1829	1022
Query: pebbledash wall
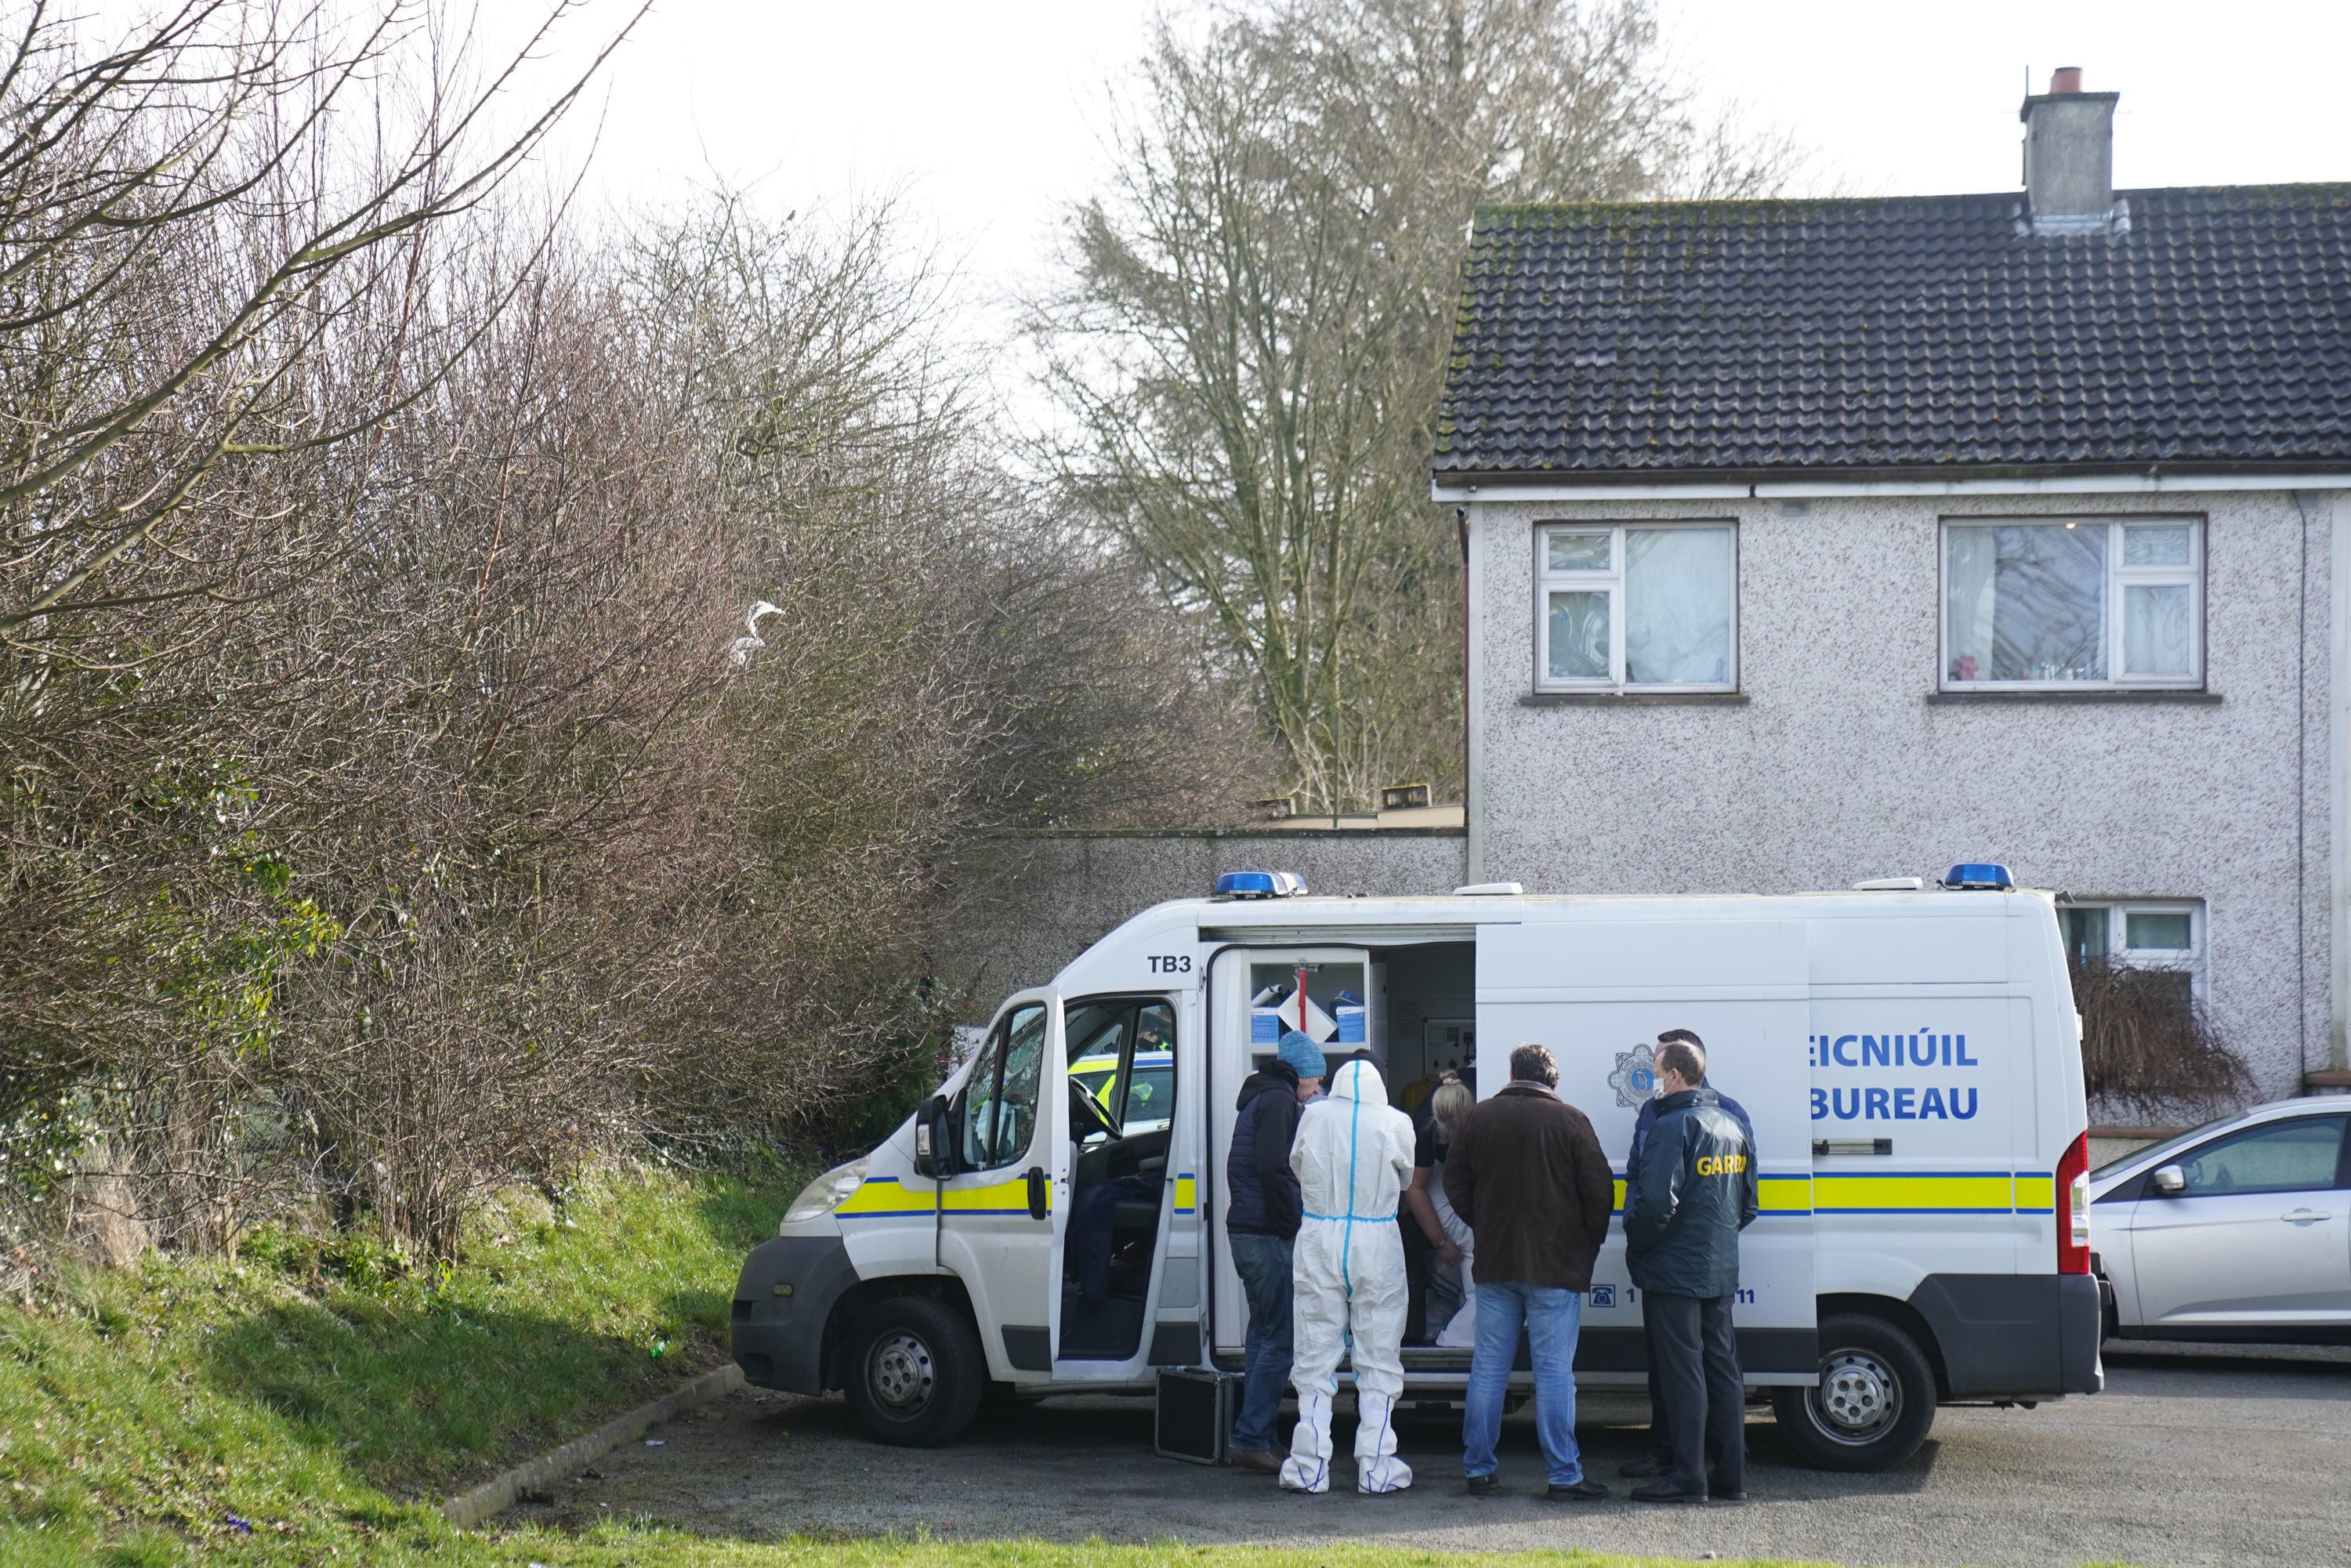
1839	759
1033	902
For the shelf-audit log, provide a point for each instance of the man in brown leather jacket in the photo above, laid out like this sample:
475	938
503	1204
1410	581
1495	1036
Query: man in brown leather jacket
1527	1172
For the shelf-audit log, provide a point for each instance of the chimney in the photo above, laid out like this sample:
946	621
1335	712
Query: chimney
2069	155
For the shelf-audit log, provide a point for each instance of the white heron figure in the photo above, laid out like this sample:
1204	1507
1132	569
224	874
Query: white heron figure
739	652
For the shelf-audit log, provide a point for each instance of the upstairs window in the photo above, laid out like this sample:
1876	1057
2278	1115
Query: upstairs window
2065	605
1637	608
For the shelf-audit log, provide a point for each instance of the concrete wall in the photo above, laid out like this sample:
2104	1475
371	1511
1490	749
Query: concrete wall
1839	766
1029	904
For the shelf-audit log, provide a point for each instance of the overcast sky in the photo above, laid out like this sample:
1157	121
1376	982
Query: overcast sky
988	115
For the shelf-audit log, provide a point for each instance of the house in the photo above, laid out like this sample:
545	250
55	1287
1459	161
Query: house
1813	541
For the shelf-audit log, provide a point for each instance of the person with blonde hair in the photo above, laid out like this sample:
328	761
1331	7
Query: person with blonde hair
1448	1233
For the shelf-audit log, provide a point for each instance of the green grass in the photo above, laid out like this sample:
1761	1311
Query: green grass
311	1406
327	1404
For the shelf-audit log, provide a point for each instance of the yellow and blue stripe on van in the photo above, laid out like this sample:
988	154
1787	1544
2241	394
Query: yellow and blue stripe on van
1777	1194
1903	1192
883	1197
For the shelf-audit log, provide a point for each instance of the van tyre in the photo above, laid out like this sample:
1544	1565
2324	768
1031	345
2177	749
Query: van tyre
914	1372
1873	1403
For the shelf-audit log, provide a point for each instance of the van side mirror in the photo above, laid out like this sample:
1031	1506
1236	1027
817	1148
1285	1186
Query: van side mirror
2167	1182
934	1147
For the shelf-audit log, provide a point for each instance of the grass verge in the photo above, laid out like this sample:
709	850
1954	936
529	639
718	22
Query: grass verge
320	1399
312	1403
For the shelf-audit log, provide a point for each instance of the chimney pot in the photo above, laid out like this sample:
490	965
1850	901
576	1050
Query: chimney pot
2065	78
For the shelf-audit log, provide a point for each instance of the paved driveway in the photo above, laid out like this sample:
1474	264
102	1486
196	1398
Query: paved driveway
2218	1456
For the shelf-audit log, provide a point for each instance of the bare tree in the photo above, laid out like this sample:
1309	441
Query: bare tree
385	819
213	302
953	658
476	851
1253	336
179	233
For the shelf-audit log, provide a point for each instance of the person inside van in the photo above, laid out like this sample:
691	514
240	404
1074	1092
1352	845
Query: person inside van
1261	1227
1447	1233
1659	1459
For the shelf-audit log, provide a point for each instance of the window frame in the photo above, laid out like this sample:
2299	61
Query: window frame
1612	581
995	1052
2192	960
2264	1129
1130	1007
2112	597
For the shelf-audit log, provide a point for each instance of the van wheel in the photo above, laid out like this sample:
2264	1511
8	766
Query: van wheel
1872	1404
915	1372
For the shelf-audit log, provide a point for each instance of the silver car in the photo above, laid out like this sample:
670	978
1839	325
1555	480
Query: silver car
2240	1229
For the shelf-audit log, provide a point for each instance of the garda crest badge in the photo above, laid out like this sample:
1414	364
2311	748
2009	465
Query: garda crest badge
1636	1077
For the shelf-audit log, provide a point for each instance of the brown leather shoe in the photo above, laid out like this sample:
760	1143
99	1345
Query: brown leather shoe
1265	1461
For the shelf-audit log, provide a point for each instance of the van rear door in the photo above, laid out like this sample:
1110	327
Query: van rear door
1596	984
1257	993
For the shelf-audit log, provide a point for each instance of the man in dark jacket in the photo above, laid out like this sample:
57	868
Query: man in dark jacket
1526	1172
1659	1461
1695	1191
1260	1225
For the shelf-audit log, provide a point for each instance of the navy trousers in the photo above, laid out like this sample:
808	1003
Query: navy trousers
1696	1355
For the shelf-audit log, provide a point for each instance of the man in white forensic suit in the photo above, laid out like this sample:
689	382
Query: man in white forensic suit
1354	1159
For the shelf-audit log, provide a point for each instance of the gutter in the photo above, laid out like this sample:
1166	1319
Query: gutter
1772	484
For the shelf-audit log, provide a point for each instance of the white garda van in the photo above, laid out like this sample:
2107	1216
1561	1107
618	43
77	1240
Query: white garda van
1910	1057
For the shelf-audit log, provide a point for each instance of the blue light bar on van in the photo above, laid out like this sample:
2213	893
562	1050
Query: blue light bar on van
1259	885
1979	875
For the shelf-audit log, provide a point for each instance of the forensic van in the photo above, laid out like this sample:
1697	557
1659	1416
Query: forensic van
1908	1053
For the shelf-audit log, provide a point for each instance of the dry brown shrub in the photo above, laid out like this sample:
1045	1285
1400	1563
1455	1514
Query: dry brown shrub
2149	1047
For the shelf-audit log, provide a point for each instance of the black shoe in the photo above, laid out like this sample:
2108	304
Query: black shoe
1720	1493
1645	1468
1667	1491
1585	1490
1488	1485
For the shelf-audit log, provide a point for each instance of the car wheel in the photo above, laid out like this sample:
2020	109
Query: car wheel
1874	1402
915	1372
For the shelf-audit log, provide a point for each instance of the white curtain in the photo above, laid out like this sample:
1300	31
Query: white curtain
1974	559
2156	630
1677	596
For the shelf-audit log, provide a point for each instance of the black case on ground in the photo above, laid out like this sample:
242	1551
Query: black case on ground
1195	1420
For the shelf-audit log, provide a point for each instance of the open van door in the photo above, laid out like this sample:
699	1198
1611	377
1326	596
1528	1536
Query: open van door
1597	988
1257	993
1002	1214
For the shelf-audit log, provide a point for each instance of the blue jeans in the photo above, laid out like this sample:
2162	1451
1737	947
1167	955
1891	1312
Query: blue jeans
1263	1264
1552	1318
